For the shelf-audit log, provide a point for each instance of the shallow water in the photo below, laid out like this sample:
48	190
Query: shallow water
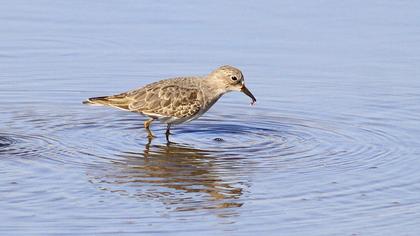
331	148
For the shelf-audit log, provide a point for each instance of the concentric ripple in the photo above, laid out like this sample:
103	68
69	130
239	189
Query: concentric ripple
286	140
27	146
289	142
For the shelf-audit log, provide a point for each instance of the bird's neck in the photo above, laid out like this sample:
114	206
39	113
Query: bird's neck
213	92
216	89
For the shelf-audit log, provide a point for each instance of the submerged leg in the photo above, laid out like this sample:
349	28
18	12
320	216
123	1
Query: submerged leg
168	131
147	124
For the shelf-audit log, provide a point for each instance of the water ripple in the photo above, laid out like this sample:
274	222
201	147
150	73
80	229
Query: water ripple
25	146
211	162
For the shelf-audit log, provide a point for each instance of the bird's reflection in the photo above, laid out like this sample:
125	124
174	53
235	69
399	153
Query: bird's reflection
182	177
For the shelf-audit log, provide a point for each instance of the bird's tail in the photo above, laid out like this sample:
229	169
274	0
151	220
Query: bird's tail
120	101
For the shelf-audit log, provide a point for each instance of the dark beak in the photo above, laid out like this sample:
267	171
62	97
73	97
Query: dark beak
248	93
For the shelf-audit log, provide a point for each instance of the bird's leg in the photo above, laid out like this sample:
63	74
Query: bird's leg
168	131
147	124
147	148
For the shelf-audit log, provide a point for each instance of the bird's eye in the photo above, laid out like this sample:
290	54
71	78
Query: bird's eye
234	78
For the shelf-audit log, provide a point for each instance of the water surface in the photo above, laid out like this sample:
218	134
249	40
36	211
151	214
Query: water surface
331	148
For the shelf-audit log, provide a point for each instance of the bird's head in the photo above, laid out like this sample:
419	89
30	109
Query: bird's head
232	79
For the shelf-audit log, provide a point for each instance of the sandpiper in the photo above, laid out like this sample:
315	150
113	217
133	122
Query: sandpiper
177	100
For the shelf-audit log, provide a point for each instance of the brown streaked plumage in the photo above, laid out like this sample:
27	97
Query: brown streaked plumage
177	100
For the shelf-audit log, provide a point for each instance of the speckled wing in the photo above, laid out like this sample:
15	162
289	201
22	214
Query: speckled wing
167	99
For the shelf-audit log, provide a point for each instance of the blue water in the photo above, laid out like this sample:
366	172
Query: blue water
331	147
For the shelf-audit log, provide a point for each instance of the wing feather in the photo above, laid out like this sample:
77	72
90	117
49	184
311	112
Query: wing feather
166	100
